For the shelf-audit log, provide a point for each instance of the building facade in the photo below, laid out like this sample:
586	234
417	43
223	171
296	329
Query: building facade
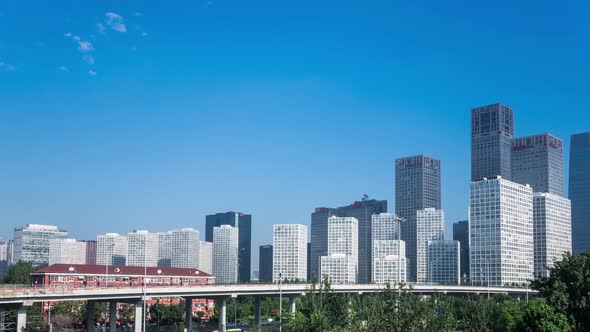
31	243
579	191
265	263
225	254
67	251
461	234
3	258
165	249
111	249
243	222
430	226
340	266
552	230
538	161
289	256
206	257
492	129
443	262
319	238
501	233
417	187
142	248
90	252
389	253
185	248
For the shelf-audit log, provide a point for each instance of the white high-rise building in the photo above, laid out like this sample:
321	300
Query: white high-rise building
142	248
225	254
31	243
206	257
185	248
289	260
443	262
165	249
67	251
3	258
430	226
501	232
341	264
111	249
552	229
389	253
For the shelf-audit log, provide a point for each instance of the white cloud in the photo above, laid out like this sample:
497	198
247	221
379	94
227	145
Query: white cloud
85	46
76	38
100	27
91	72
115	21
89	59
68	34
63	68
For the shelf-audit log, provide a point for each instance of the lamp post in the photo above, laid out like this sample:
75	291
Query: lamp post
107	266
280	302
399	254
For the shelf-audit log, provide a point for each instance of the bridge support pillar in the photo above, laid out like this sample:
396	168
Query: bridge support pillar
90	327
292	305
222	314
113	316
139	312
21	318
188	313
257	310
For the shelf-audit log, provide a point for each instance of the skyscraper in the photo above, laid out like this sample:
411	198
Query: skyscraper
389	253
501	232
340	266
243	222
111	249
492	129
67	251
165	249
319	238
206	257
225	254
265	263
430	226
142	248
360	210
185	248
308	261
538	161
461	234
417	187
443	262
579	191
3	258
289	252
31	243
90	252
552	230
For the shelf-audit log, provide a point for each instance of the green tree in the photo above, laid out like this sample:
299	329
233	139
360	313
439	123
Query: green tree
567	289
19	273
540	317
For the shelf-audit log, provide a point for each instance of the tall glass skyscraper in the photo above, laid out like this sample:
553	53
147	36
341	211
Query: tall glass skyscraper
265	263
492	128
579	191
461	234
243	222
417	187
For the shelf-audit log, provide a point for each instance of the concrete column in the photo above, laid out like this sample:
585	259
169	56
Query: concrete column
21	318
90	316
292	305
113	316
257	310
222	317
138	316
189	313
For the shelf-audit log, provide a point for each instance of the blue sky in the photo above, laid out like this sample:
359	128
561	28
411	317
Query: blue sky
117	115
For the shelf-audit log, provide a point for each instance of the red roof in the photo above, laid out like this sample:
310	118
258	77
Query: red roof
120	270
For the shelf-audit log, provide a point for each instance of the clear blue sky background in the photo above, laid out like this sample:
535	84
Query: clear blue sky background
163	112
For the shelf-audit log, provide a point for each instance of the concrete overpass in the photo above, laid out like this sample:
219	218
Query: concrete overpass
26	297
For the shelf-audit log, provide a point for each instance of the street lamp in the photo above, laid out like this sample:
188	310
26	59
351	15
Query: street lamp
399	254
107	266
280	302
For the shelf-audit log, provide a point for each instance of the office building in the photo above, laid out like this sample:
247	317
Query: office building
31	243
430	226
90	252
289	252
538	161
243	222
308	261
417	187
142	248
461	234
443	262
265	263
165	249
492	129
340	266
3	258
388	251
319	238
185	248
111	249
225	254
67	251
579	191
206	257
552	230
501	233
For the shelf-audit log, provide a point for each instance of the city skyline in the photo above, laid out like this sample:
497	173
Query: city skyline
146	142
